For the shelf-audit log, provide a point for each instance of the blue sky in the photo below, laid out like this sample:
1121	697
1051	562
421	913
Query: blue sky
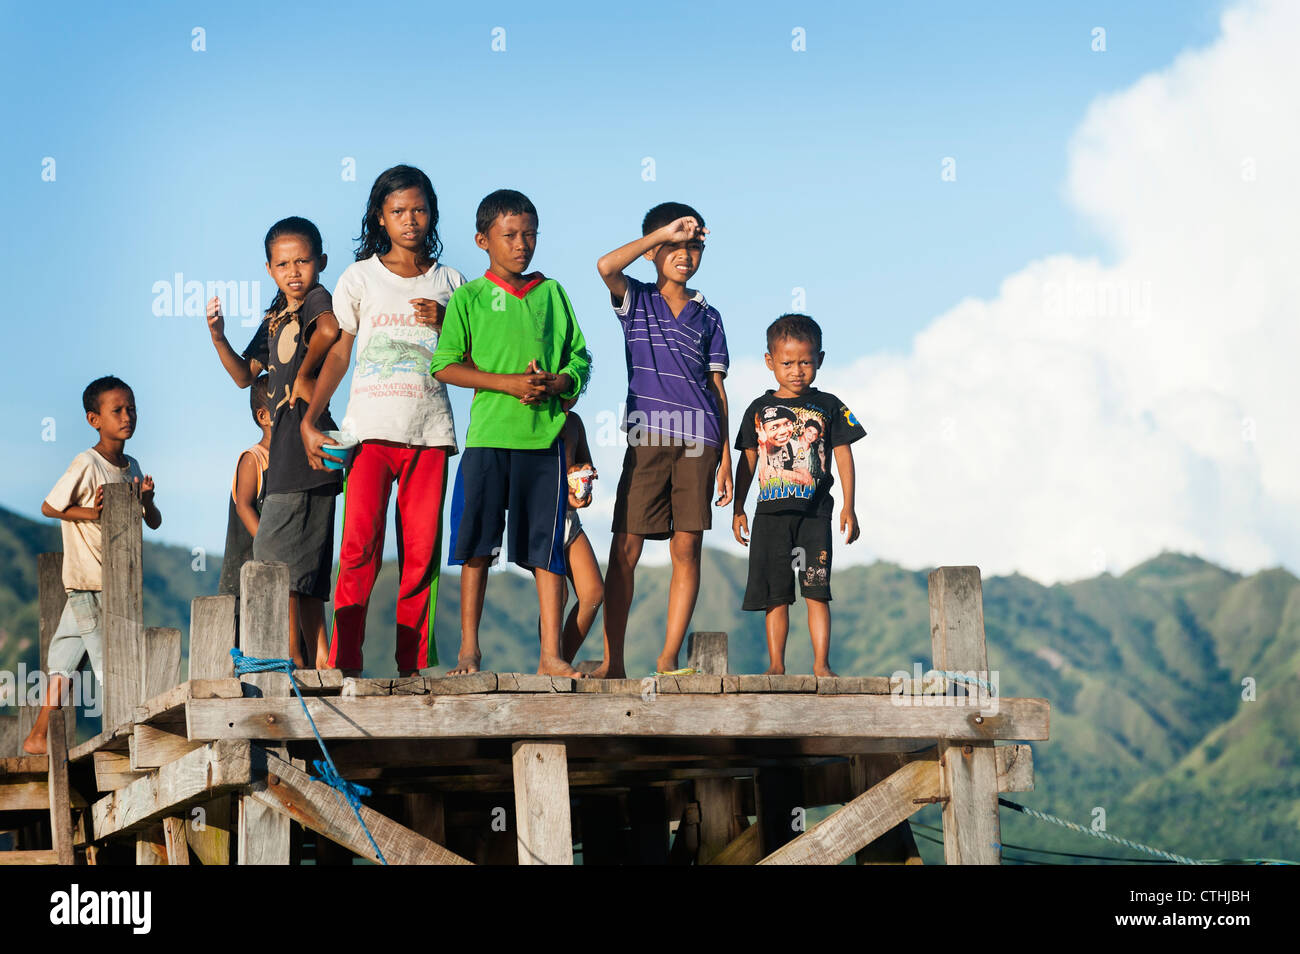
817	169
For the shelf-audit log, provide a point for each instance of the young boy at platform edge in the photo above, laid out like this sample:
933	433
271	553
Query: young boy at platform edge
786	439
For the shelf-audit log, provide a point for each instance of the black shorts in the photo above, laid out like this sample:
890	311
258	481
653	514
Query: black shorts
297	528
531	485
781	547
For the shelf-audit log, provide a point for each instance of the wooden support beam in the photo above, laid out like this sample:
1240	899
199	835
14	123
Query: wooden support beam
151	846
199	776
122	603
647	813
113	771
558	715
60	804
862	820
971	830
161	658
707	652
174	841
426	815
212	636
743	850
11	737
208	831
152	746
717	798
778	793
44	857
896	846
542	820
292	793
264	834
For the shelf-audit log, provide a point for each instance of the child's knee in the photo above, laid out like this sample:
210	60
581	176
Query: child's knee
685	547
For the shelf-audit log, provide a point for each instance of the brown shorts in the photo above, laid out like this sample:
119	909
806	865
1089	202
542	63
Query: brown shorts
664	488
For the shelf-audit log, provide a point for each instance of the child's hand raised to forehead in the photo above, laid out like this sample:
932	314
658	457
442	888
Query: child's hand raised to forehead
428	312
684	229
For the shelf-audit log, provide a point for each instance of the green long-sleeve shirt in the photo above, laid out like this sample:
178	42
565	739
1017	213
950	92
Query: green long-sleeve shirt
501	330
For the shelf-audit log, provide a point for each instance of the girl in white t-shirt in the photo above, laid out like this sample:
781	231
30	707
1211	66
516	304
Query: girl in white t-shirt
390	305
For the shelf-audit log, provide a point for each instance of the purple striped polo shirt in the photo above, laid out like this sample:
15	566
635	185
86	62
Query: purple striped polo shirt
669	361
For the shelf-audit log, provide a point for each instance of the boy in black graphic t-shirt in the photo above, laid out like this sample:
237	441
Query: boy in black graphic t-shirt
784	436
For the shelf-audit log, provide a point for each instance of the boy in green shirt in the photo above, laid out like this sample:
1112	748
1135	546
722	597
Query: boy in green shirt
512	336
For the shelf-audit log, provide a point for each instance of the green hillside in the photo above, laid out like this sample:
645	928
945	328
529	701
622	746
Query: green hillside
1144	672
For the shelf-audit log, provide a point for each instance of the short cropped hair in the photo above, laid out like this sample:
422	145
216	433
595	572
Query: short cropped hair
259	396
798	327
499	203
97	388
666	212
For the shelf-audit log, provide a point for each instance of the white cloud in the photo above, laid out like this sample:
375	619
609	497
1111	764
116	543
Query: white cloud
1097	413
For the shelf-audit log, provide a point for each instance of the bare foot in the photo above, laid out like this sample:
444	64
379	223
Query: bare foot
407	673
555	666
775	670
666	664
34	745
824	671
466	664
606	671
323	662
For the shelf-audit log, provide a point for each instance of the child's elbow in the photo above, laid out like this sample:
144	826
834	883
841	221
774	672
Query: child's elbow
48	511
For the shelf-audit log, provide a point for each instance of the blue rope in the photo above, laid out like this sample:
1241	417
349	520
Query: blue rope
1106	836
326	771
962	677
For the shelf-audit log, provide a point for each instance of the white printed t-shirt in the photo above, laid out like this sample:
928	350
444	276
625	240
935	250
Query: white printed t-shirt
393	396
83	548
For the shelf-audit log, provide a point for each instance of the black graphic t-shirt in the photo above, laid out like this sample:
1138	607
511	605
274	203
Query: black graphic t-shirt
280	345
795	439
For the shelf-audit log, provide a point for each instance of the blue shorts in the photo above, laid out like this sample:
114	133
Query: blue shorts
531	485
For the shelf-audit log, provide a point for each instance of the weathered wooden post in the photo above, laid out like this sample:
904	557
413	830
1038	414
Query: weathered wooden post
707	652
264	631
160	670
122	604
968	771
60	794
212	636
542	820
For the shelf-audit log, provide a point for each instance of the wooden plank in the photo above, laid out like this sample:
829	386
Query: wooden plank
122	603
542	822
426	815
778	795
24	767
718	810
60	803
743	850
862	820
264	833
971	829
162	662
318	681
835	685
616	687
458	685
169	706
532	682
113	770
264	623
52	599
152	746
698	683
11	737
208	831
1015	768
150	846
117	739
556	715
291	792
44	857
895	846
763	683
212	636
200	776
707	653
174	841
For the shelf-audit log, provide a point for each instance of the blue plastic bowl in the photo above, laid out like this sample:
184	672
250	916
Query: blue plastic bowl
338	454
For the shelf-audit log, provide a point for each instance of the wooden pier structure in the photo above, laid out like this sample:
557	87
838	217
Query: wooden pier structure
501	768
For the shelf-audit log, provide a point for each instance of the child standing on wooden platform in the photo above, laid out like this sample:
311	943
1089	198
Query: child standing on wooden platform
787	439
390	303
296	525
247	494
676	423
579	558
77	501
512	337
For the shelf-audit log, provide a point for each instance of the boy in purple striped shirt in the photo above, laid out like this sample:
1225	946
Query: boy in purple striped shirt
676	423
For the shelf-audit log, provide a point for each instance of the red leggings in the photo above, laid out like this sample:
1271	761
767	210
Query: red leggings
421	475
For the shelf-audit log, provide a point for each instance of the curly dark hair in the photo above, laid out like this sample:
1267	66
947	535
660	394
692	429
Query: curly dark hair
373	240
98	388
